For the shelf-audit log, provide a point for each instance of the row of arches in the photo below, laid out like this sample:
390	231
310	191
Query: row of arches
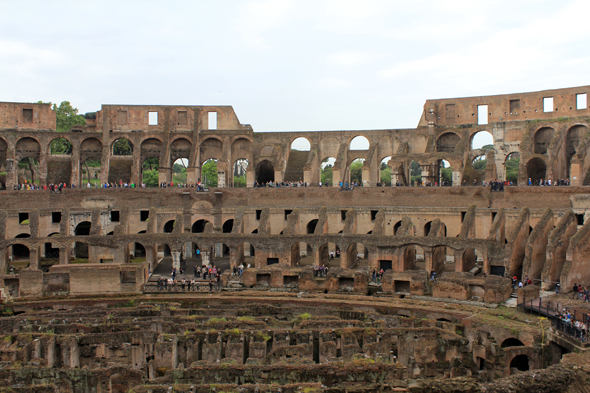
181	158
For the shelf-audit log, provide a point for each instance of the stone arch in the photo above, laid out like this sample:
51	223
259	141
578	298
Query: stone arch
122	147
199	226
447	142
397	226
356	171
511	342
512	164
60	145
542	139
265	172
239	172
21	251
211	147
27	147
228	225
536	169
444	173
300	144
359	142
168	227
327	167
479	139
520	362
209	174
384	171
311	225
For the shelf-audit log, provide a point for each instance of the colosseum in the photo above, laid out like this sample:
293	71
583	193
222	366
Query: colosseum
394	260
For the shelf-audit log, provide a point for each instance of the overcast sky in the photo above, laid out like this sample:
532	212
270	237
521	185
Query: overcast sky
290	65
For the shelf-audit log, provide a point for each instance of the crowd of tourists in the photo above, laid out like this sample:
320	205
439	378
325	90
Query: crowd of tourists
204	277
280	184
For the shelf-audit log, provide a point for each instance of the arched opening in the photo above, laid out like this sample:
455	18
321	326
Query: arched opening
396	227
137	252
572	141
482	140
150	172
265	172
209	174
169	226
329	255
60	146
520	363
327	171
447	142
419	258
81	252
199	226
83	228
151	150
90	172
475	174
415	174
20	252
445	173
536	170
50	253
385	172
28	171
311	226
179	171
359	143
246	254
122	147
90	161
357	255
301	144
228	226
428	226
542	140
302	254
512	163
511	342
356	172
239	172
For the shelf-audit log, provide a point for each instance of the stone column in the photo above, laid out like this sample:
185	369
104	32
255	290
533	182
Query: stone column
11	173
75	166
43	170
136	169
3	253
206	258
65	255
34	258
175	260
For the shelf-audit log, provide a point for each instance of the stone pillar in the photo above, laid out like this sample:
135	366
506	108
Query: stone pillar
136	169
36	349
278	176
456	178
3	254
206	258
576	175
175	259
75	166
11	173
50	353
233	259
74	353
65	255
367	181
34	258
43	170
250	178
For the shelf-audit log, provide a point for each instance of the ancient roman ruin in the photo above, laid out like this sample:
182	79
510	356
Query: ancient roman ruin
78	268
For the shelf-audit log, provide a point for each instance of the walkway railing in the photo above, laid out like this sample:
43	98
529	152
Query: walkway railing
555	311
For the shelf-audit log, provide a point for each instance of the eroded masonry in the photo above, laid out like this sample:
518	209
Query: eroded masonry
89	240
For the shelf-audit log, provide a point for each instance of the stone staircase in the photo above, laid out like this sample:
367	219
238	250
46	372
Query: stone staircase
295	164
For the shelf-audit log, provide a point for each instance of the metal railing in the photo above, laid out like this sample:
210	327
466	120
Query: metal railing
555	311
